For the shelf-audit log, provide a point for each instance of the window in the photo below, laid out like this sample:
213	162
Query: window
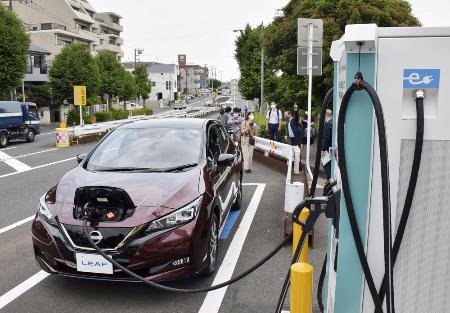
46	26
135	148
217	142
153	84
101	41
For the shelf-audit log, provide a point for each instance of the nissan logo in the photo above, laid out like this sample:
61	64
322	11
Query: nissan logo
96	236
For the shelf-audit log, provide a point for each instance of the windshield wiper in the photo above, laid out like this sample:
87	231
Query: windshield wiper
127	169
179	168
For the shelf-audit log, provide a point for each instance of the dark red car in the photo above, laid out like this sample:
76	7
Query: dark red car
174	182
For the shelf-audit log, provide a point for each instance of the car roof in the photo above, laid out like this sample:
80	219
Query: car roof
181	123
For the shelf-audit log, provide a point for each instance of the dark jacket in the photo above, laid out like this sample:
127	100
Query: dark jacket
297	129
327	135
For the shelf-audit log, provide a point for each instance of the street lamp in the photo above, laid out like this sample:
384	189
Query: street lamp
261	107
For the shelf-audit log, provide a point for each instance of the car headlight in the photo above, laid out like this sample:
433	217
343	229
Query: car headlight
179	217
45	213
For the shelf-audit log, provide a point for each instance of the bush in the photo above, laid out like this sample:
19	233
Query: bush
104	116
73	117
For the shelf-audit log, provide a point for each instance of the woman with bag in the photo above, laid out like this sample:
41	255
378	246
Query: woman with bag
248	132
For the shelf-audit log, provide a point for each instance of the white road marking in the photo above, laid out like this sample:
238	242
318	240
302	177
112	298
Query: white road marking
9	148
34	153
213	299
37	167
50	133
22	288
16	224
15	164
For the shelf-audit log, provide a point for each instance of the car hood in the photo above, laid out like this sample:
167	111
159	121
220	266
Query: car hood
154	194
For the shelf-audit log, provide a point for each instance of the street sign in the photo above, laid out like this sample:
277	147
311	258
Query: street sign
79	95
303	38
302	61
105	96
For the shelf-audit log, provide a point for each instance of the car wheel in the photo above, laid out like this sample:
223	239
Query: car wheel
3	140
238	202
30	136
213	245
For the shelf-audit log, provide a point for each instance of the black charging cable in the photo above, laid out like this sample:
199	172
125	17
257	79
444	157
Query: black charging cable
358	85
412	183
179	290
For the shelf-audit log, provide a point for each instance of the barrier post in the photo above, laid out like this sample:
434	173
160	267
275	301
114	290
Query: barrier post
301	288
62	137
297	232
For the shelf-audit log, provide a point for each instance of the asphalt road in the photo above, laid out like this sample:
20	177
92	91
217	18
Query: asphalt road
24	288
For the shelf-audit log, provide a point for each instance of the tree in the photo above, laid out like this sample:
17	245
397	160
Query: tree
130	89
111	74
281	37
14	44
217	83
248	56
143	87
74	66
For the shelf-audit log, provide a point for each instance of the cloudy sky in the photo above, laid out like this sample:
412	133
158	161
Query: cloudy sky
203	29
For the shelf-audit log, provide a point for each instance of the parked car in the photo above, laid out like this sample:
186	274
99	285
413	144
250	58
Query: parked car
180	105
177	180
18	120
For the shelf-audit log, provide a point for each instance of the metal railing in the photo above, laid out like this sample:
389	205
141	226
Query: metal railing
291	154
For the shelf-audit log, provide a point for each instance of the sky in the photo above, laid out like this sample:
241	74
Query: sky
203	29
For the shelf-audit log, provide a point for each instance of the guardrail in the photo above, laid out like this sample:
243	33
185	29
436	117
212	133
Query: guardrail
294	190
104	127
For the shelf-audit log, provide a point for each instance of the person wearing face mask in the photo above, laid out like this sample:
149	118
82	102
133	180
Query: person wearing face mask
234	123
273	122
248	133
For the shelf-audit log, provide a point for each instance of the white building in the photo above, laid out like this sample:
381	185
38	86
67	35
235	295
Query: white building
164	81
52	24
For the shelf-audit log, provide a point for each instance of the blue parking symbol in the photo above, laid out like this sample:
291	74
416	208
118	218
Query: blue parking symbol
421	78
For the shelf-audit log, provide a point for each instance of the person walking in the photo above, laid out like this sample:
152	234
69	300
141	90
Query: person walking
222	117
295	131
248	133
273	122
327	143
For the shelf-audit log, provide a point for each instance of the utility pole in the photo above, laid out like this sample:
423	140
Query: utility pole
261	108
10	5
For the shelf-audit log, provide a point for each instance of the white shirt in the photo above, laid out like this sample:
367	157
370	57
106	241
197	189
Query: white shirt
290	131
274	119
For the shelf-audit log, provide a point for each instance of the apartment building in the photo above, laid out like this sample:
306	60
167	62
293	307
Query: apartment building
192	77
52	24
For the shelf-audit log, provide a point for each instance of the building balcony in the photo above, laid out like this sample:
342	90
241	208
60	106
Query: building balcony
111	47
36	74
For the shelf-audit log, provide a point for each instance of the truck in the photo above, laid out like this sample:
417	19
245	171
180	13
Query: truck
18	120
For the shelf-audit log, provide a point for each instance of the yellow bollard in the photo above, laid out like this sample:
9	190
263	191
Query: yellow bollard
301	288
62	137
297	232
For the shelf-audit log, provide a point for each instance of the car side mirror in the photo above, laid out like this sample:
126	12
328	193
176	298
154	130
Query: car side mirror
81	157
225	160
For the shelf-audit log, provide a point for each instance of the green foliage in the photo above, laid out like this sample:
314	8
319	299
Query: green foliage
129	90
111	74
280	43
74	66
143	86
39	94
14	44
73	117
104	116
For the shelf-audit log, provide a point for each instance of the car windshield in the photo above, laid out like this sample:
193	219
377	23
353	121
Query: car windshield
149	149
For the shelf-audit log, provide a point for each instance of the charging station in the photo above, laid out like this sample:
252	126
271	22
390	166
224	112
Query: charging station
400	63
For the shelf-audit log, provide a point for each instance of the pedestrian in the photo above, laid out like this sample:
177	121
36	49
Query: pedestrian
248	133
327	143
234	123
273	122
223	117
294	131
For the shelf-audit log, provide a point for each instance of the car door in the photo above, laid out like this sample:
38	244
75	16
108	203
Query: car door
218	174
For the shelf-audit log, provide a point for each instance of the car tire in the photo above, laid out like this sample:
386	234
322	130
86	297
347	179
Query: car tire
3	140
213	246
238	202
30	136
